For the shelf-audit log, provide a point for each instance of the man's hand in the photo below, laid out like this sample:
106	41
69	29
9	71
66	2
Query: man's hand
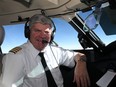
81	76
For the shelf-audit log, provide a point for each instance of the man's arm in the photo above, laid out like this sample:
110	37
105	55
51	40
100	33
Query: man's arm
12	70
81	76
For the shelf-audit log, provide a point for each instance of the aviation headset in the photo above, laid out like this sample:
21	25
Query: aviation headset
27	26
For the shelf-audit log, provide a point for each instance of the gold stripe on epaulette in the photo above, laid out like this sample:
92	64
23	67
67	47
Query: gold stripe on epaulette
15	50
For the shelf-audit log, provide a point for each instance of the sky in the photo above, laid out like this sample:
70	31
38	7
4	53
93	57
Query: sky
65	36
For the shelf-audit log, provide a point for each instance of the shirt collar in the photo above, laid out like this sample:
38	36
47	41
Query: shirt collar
34	51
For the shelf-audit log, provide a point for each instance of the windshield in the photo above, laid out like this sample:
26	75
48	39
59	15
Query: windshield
65	36
97	29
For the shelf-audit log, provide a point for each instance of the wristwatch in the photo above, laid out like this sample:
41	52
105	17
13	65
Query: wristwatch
83	59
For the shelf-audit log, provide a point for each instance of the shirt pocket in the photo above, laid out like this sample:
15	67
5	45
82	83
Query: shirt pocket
38	81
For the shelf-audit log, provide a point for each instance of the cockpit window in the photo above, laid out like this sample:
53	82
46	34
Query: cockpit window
65	36
107	39
14	36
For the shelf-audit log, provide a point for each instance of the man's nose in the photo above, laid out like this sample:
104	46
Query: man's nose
42	33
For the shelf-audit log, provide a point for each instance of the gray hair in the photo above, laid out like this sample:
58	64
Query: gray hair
40	18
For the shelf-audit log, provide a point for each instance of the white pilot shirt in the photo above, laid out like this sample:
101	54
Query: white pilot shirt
24	68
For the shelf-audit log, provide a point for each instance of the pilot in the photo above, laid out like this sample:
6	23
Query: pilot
36	62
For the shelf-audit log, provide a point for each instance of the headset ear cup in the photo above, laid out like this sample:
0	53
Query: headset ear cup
27	30
53	34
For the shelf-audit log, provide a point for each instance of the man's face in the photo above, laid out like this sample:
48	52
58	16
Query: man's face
39	32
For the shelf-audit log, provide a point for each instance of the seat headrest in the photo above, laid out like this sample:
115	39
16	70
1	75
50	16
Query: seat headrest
2	34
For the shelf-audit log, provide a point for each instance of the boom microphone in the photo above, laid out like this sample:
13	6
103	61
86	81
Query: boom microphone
44	41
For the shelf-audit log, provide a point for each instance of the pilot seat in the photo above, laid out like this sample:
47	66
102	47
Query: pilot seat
2	34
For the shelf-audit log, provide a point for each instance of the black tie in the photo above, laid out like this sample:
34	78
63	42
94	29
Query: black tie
50	79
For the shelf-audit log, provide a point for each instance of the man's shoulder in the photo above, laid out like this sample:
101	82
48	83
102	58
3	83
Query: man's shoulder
15	49
57	47
19	48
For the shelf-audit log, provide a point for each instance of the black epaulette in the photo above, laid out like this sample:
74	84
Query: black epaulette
15	50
